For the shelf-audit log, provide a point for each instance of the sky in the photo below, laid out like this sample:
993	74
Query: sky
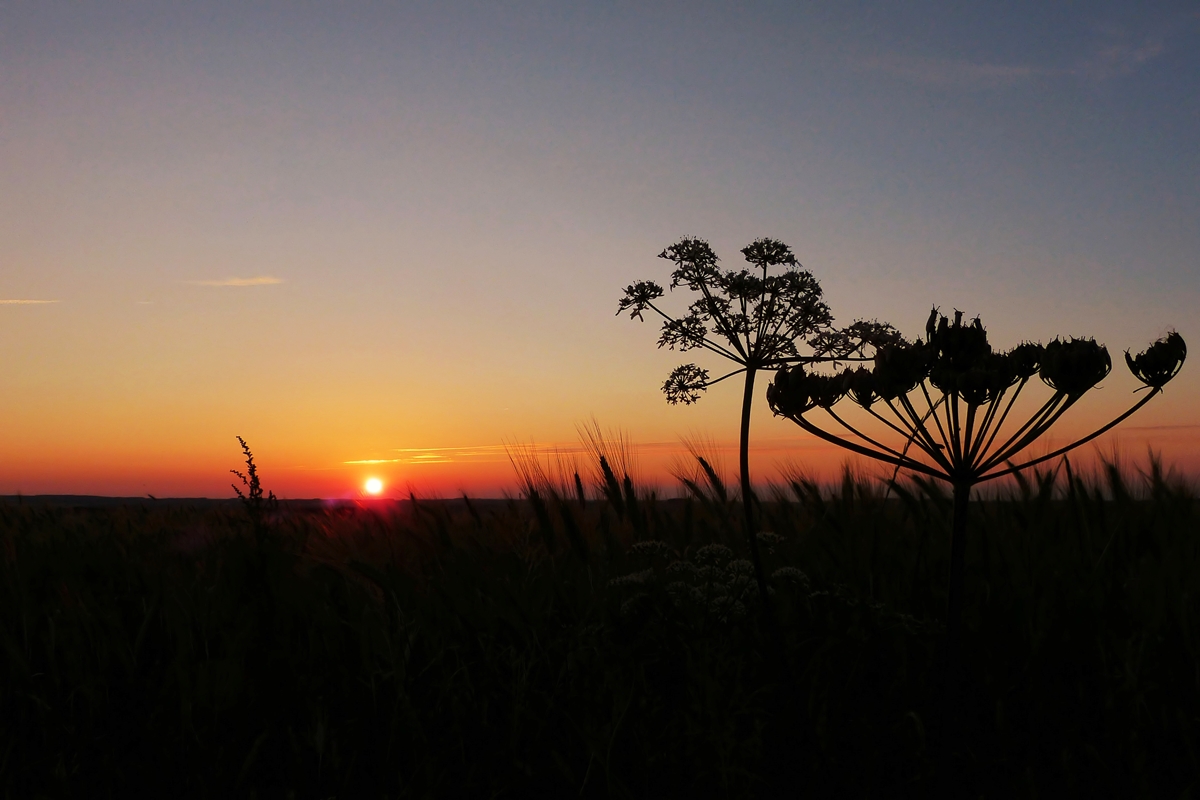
388	239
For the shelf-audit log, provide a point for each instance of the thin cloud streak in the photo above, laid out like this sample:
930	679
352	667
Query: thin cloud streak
262	280
1108	61
1193	427
950	72
1119	59
26	302
499	453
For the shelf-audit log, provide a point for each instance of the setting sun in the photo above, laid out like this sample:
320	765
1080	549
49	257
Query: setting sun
374	486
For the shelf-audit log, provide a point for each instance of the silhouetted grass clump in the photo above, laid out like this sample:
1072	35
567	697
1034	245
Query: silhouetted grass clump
597	640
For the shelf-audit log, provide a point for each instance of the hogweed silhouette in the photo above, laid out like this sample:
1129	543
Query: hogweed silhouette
754	318
964	393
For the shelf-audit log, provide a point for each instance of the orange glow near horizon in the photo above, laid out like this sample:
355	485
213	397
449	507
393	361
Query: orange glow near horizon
162	451
488	472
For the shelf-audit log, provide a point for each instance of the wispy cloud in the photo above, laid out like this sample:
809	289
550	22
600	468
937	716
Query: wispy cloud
1192	427
950	72
441	455
495	453
261	280
1115	55
1119	58
26	302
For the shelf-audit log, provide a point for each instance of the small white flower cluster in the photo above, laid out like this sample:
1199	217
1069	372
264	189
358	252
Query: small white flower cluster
711	583
715	584
642	581
650	549
877	613
712	586
634	604
769	540
793	576
642	578
715	554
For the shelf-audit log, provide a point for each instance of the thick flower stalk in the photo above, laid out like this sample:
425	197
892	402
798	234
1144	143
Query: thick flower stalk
764	316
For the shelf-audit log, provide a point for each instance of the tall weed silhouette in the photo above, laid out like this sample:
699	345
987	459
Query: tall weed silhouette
252	499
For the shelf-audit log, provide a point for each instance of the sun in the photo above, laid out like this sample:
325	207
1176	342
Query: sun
374	486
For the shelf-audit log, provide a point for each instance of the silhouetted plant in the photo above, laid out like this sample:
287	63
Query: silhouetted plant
964	392
252	499
756	320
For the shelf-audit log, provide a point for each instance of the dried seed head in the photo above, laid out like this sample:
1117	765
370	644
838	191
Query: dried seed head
975	385
1026	359
862	387
1075	365
795	392
982	383
1160	362
788	394
899	368
959	349
828	389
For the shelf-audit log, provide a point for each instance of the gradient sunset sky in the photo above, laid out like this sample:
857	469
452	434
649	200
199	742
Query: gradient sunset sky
397	232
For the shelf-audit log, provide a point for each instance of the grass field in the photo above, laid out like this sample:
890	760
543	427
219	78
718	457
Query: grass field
596	641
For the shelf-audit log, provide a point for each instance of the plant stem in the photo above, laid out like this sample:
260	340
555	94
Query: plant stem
747	492
760	575
958	552
952	656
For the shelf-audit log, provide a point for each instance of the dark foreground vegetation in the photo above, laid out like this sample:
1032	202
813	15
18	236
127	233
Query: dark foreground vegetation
605	644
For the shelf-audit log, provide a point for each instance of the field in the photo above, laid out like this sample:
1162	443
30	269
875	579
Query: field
590	639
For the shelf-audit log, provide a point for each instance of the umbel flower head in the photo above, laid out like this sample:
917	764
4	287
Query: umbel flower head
685	384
